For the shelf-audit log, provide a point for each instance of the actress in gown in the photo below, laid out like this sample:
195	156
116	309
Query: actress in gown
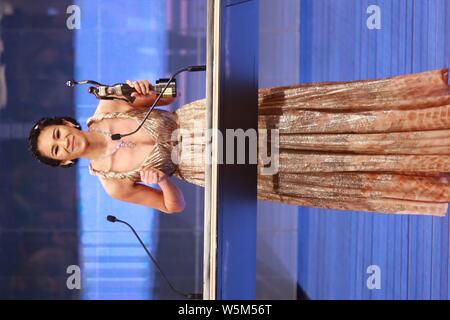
369	145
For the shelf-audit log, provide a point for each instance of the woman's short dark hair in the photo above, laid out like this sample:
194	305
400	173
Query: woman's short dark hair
36	131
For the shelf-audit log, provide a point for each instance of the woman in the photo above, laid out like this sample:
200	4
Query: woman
373	145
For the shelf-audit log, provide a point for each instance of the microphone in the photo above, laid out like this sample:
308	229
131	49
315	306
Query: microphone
192	296
111	219
118	136
196	68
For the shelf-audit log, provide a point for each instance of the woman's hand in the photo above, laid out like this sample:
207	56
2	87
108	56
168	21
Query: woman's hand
146	95
142	87
152	175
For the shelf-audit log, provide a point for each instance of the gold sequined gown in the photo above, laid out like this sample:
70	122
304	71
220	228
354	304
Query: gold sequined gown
372	145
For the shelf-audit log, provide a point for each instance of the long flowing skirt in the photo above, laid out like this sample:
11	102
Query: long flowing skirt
373	145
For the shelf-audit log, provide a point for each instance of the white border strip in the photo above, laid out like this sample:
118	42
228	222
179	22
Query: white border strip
212	97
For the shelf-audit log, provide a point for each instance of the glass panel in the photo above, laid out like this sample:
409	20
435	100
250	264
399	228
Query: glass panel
53	217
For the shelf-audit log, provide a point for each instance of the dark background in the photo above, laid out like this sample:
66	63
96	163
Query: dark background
39	228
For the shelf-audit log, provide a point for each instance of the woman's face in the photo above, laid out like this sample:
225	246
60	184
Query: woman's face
61	142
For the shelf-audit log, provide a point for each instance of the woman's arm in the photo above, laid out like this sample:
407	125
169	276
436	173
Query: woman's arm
146	95
172	195
168	200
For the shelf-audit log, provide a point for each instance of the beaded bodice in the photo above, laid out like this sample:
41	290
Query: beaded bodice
159	126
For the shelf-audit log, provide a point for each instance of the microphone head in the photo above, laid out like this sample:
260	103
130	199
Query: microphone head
70	83
116	136
196	68
111	218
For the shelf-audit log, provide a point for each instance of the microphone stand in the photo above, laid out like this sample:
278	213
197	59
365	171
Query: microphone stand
192	296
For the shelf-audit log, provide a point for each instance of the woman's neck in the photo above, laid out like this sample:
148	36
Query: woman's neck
97	144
